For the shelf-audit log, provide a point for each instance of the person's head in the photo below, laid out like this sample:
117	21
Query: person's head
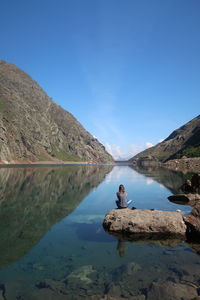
121	188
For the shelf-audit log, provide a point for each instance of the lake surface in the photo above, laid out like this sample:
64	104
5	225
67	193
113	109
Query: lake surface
53	245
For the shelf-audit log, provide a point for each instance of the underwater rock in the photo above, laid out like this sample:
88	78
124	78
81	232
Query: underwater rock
146	222
56	286
81	274
132	268
113	289
168	290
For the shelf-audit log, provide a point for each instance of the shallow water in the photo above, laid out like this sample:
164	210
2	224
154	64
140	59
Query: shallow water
53	245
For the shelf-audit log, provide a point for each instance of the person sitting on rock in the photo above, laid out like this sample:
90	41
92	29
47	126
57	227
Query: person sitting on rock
122	198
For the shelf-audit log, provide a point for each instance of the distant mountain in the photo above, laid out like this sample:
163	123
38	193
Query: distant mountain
34	128
184	141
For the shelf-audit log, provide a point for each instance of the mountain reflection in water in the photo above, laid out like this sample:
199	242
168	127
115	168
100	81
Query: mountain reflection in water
34	199
55	215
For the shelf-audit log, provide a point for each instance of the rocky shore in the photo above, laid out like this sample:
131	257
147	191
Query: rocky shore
184	165
156	224
52	162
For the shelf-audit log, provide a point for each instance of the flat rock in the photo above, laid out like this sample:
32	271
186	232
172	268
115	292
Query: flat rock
150	222
190	199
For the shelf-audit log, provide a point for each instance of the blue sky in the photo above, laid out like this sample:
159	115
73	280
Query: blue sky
128	70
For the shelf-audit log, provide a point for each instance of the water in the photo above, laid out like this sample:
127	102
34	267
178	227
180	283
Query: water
53	245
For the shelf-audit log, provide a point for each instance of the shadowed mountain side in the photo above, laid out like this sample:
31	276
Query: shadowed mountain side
170	179
32	200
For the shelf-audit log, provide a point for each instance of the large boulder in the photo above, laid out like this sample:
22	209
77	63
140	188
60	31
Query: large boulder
162	224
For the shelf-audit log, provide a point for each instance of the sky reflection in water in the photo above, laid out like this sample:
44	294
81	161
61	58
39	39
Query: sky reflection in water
68	233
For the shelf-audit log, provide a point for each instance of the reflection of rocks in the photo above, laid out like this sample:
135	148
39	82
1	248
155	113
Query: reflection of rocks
193	220
170	179
185	199
34	199
143	239
195	246
148	222
193	185
167	290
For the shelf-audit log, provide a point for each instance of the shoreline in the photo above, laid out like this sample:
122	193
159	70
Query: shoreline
49	163
184	164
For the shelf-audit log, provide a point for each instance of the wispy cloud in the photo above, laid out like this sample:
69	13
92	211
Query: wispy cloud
119	154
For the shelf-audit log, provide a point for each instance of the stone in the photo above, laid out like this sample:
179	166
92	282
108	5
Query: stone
168	290
187	187
193	219
56	286
190	199
81	274
147	222
193	185
195	181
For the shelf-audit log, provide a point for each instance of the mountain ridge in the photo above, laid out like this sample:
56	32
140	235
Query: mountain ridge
34	128
182	142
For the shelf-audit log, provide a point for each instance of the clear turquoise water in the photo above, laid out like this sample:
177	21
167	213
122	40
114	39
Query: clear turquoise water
53	245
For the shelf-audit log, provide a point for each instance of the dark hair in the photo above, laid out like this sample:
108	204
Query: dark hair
121	188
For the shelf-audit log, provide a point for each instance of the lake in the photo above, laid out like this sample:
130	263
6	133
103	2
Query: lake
53	245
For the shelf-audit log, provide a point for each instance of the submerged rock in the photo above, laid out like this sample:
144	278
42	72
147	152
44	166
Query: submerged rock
168	290
148	222
81	274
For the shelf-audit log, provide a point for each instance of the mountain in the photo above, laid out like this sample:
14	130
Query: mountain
184	141
34	128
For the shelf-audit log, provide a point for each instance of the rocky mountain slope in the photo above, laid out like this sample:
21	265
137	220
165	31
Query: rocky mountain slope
34	128
184	141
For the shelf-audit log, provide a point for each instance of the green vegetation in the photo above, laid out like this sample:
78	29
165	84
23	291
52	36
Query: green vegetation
65	156
2	106
189	152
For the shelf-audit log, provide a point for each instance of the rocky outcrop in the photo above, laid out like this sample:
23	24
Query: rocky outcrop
193	185
184	141
34	128
193	220
161	224
192	192
184	164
